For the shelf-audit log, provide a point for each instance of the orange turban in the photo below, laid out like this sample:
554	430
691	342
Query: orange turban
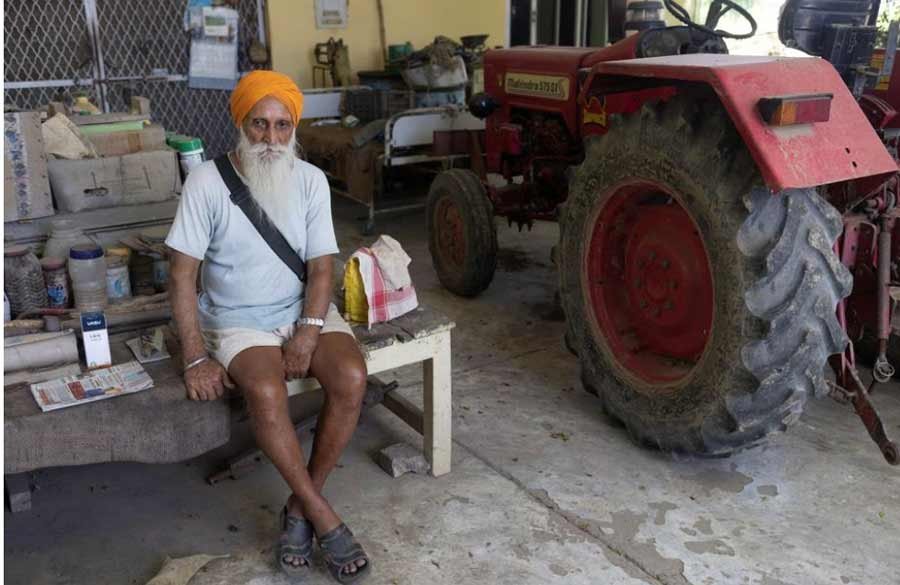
260	83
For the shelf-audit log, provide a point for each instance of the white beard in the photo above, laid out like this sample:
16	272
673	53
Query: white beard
268	169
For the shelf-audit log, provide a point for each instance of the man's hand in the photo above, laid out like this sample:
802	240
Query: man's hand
297	353
207	381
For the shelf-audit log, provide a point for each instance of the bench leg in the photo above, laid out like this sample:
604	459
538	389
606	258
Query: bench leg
18	488
437	413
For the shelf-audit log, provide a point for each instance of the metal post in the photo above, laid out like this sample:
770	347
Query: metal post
533	33
557	23
579	23
261	24
93	28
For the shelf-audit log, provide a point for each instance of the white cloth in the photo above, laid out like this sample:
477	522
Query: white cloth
385	302
393	261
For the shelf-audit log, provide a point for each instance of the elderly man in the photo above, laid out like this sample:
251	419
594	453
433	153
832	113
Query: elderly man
257	324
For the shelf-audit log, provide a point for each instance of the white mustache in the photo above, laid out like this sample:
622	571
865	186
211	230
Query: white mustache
262	148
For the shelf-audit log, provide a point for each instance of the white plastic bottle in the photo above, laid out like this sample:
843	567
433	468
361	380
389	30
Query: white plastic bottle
87	268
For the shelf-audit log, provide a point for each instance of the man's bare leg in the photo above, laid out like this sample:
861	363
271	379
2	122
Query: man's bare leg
259	374
342	373
340	368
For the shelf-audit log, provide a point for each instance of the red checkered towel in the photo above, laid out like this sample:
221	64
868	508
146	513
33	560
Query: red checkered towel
384	303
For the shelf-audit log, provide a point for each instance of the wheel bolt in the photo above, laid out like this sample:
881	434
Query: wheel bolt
643	304
651	255
655	311
668	305
665	264
637	283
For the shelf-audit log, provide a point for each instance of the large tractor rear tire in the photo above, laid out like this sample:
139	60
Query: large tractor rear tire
462	235
701	306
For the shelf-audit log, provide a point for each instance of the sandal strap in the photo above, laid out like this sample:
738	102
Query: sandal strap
296	536
341	548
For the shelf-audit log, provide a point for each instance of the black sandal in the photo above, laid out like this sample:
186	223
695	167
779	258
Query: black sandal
295	540
340	549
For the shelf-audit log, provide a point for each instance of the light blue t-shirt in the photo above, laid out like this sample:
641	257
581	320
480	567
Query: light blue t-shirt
245	284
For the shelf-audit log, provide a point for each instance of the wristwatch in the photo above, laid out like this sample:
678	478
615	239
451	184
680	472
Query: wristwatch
311	321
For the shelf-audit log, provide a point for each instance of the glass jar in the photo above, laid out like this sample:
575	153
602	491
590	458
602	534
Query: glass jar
23	280
87	268
63	235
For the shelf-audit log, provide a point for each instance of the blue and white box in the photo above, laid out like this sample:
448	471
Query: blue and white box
96	340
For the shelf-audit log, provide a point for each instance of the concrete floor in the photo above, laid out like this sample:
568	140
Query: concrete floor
543	490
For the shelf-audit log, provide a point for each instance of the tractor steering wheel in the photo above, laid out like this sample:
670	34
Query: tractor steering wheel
716	12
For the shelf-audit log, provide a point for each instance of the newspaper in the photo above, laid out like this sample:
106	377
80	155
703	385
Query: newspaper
125	378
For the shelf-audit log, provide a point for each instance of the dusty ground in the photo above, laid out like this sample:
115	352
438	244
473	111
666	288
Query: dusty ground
544	489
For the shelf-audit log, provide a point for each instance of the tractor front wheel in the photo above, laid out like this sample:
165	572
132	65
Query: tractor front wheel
462	235
701	306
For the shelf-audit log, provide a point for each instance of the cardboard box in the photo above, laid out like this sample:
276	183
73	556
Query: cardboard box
96	183
26	190
152	137
96	340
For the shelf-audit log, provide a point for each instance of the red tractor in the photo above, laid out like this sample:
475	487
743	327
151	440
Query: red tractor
714	210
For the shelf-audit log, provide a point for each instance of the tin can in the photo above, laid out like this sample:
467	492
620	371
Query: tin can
57	282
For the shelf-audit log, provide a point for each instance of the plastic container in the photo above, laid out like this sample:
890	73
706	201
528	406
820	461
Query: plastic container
190	152
124	252
63	235
161	274
23	280
87	268
118	284
397	52
57	282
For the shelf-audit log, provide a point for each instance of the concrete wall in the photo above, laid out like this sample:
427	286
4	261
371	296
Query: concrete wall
293	33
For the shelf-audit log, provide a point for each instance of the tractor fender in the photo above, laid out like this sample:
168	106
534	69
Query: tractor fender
843	148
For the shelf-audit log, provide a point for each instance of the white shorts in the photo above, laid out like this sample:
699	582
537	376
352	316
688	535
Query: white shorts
225	344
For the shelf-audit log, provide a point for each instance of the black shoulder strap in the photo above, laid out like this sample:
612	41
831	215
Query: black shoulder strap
240	196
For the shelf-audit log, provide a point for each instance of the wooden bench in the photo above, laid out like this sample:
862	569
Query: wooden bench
161	426
422	336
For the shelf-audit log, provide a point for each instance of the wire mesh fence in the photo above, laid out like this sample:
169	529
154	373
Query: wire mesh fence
49	51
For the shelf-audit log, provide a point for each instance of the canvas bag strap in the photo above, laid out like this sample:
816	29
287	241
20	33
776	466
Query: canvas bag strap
240	196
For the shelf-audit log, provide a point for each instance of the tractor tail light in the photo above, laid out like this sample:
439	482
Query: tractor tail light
796	109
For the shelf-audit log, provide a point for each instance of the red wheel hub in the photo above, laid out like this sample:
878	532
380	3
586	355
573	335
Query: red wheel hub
451	238
649	283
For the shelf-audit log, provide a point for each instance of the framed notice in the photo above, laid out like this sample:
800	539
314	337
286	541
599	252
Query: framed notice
214	50
331	13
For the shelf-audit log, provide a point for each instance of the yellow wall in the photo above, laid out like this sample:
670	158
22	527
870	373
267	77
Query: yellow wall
293	32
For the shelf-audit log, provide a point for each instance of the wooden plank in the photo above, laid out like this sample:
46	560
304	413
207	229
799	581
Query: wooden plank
107	119
100	222
437	398
423	322
402	354
406	410
18	490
